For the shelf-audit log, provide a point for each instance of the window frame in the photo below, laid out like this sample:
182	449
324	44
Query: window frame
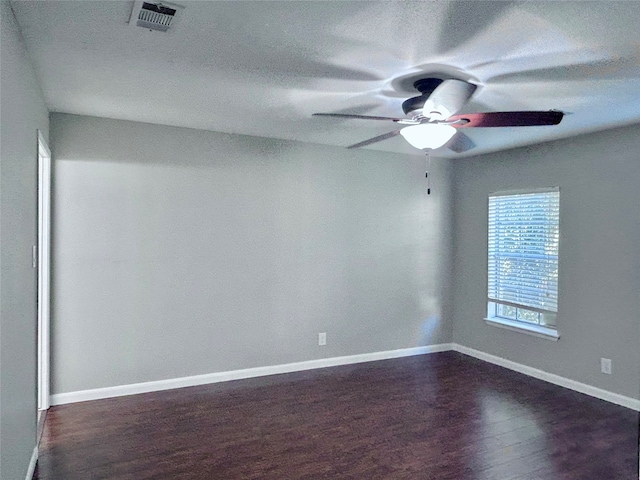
546	325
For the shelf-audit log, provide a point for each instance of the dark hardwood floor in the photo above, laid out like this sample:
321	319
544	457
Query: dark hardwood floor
442	416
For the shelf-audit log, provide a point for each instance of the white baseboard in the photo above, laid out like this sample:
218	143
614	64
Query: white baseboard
146	387
155	386
618	399
32	464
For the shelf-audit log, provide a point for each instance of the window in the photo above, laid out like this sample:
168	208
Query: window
523	260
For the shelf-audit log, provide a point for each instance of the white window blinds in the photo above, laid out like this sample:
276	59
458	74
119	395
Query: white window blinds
523	249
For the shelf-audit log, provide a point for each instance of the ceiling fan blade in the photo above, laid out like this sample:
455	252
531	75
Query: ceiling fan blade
460	142
361	117
379	138
506	119
448	98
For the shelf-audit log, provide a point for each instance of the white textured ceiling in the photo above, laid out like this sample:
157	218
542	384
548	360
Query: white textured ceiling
262	68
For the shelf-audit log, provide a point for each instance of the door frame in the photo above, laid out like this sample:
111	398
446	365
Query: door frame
44	273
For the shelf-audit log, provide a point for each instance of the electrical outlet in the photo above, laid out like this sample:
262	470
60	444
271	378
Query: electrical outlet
605	365
322	338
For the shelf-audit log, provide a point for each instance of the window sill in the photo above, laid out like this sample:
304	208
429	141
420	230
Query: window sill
535	330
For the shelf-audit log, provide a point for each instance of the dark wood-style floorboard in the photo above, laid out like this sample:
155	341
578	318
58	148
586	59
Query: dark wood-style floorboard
442	416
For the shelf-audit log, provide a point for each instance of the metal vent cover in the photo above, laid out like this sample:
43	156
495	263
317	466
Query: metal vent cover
154	16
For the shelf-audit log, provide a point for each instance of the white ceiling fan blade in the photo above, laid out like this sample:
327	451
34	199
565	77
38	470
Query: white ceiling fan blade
447	99
460	142
377	139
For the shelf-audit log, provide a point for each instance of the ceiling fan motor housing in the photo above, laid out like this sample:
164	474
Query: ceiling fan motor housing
425	86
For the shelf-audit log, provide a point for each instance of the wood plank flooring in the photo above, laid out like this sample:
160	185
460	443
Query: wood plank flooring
443	416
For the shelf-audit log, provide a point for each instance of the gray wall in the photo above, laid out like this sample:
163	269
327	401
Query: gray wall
599	265
181	252
23	111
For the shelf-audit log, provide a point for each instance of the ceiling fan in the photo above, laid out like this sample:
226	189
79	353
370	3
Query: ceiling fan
431	121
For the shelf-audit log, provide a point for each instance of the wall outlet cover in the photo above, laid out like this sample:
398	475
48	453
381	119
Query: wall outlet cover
605	365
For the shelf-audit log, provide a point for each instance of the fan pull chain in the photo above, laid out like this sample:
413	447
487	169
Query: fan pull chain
426	173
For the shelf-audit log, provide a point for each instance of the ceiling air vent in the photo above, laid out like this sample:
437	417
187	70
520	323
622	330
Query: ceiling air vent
154	16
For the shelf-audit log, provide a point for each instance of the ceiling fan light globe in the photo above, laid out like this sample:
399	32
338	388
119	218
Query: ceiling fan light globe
428	136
